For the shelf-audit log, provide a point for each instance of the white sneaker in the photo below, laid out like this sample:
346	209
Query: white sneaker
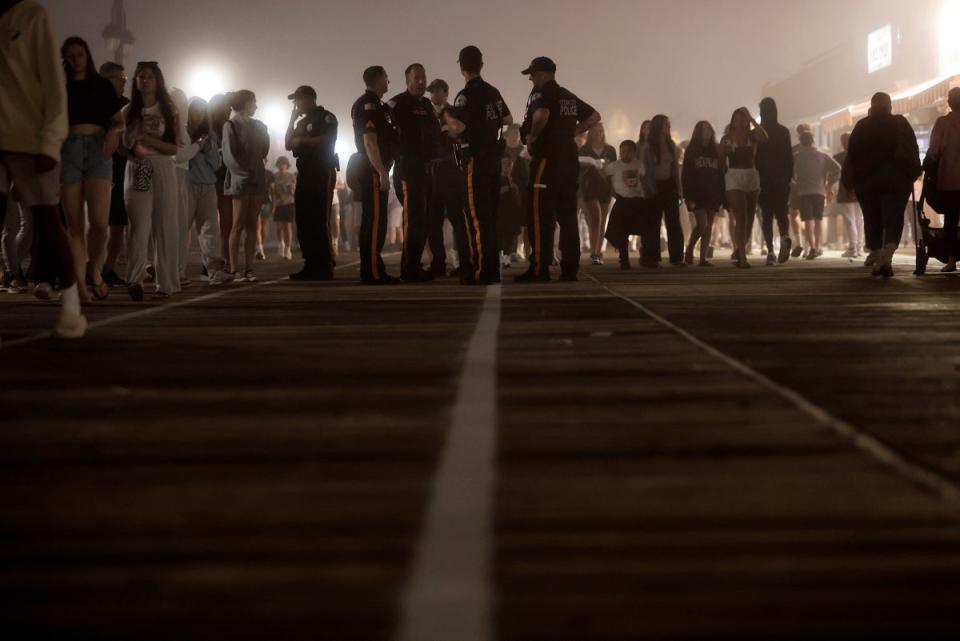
504	260
220	277
43	291
249	276
70	325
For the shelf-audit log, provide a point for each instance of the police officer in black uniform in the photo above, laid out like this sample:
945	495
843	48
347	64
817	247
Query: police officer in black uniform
312	137
478	116
419	138
376	139
446	189
554	116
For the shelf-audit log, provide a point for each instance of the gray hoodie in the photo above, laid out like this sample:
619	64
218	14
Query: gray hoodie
246	143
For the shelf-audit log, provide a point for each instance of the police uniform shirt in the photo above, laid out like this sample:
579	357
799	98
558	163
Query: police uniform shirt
371	116
314	123
418	125
566	112
480	107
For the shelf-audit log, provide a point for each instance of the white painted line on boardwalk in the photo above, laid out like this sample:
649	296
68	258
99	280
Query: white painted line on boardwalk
150	311
946	488
448	596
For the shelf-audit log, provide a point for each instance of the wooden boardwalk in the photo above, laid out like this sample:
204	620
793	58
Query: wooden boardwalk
257	465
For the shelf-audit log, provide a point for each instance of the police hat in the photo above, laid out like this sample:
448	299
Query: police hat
470	55
303	91
540	64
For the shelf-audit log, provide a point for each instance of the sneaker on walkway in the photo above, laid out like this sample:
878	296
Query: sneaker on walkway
850	253
771	260
220	277
797	251
43	291
70	325
785	246
249	276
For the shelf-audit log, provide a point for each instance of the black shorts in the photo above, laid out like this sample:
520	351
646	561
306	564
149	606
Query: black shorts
811	207
285	214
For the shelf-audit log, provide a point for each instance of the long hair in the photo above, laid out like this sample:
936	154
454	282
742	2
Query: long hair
91	69
203	128
731	129
219	113
642	138
167	110
658	130
696	141
602	133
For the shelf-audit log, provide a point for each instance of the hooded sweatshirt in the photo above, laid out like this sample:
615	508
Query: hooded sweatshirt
774	157
33	98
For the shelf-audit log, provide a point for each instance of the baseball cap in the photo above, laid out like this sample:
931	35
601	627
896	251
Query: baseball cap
303	91
540	63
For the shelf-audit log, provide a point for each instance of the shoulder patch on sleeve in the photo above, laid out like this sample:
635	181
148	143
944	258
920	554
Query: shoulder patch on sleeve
535	96
392	104
461	101
330	119
369	107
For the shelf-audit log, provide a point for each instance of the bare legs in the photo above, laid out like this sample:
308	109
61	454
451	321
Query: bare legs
595	214
743	207
246	221
87	247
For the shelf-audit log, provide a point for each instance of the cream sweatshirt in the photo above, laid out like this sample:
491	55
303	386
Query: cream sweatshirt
33	101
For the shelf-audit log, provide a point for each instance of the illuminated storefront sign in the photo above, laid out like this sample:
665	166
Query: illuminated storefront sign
880	49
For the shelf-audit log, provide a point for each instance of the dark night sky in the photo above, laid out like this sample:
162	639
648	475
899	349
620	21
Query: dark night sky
690	59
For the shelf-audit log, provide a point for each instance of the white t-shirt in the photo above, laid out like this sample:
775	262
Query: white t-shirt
627	178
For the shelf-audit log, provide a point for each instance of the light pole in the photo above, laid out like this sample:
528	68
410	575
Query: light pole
116	36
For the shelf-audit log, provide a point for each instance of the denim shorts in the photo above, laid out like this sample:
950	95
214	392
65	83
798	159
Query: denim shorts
82	158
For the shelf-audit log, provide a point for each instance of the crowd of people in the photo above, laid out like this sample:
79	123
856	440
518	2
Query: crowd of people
101	187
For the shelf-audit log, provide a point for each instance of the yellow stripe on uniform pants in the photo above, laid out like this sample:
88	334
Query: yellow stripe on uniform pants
406	220
374	264
535	209
476	220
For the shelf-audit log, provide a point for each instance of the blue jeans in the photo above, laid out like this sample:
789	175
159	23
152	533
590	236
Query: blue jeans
883	198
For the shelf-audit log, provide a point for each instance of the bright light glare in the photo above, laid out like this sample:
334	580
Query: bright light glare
949	42
206	81
344	149
275	117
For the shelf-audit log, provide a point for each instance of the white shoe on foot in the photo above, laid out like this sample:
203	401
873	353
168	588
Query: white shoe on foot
70	325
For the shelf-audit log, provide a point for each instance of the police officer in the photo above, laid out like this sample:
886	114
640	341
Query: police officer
419	138
446	189
376	139
554	116
478	117
312	137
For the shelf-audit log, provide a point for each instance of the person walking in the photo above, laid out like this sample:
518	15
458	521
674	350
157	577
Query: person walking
661	160
775	168
33	128
703	187
738	150
151	190
849	209
944	154
815	174
882	163
86	172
